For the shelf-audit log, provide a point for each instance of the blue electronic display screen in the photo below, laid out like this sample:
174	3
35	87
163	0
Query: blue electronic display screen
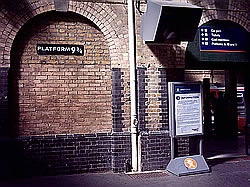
219	39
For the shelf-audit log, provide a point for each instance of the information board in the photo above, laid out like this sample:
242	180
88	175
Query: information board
185	105
219	39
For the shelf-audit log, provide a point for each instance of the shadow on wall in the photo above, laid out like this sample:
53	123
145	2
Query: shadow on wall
15	9
169	55
39	155
17	50
18	47
9	156
15	164
21	43
12	158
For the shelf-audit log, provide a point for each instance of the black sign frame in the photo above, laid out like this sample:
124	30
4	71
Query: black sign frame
60	49
222	39
191	93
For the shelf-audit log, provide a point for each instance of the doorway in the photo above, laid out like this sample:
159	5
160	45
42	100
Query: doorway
226	135
224	112
220	61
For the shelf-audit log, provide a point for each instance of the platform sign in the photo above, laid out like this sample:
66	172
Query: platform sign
222	39
60	49
185	109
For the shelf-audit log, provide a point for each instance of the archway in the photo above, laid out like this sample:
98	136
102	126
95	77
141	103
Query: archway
219	56
60	94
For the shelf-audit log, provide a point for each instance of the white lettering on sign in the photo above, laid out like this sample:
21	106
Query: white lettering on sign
215	35
188	113
59	50
219	40
215	30
217	44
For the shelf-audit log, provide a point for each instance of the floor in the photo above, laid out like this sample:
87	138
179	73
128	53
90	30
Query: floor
224	147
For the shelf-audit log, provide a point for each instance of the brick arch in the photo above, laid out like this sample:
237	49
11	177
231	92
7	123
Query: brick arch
14	18
236	14
239	16
100	14
71	92
104	18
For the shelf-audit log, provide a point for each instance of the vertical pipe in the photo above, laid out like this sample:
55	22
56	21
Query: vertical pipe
172	147
132	60
139	154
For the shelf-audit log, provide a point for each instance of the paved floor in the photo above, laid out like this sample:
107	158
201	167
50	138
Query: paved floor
219	146
228	174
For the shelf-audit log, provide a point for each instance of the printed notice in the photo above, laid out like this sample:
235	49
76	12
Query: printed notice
188	109
188	114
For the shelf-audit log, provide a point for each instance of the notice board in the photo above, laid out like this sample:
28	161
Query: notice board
185	109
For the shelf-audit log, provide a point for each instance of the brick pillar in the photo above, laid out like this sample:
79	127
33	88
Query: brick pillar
230	126
207	108
6	145
120	141
247	104
163	98
142	99
117	103
4	101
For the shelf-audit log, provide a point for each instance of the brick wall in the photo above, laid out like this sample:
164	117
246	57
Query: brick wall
87	97
163	98
120	151
198	75
66	154
117	103
155	141
53	94
155	150
62	154
4	101
142	99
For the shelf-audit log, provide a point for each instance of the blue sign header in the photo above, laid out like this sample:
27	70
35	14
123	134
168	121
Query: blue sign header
219	39
187	88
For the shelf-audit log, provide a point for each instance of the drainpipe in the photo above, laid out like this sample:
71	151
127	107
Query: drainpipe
132	60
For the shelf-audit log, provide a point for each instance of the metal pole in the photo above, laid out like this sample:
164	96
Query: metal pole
132	60
201	146
172	147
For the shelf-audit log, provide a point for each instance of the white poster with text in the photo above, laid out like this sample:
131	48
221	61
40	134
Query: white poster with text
188	114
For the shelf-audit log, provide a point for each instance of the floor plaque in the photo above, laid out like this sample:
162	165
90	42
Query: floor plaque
188	165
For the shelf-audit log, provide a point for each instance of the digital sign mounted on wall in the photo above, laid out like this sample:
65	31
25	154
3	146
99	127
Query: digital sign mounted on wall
219	39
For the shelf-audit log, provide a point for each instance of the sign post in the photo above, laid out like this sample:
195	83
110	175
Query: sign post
185	118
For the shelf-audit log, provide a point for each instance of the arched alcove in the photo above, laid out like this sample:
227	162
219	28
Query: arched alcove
60	94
